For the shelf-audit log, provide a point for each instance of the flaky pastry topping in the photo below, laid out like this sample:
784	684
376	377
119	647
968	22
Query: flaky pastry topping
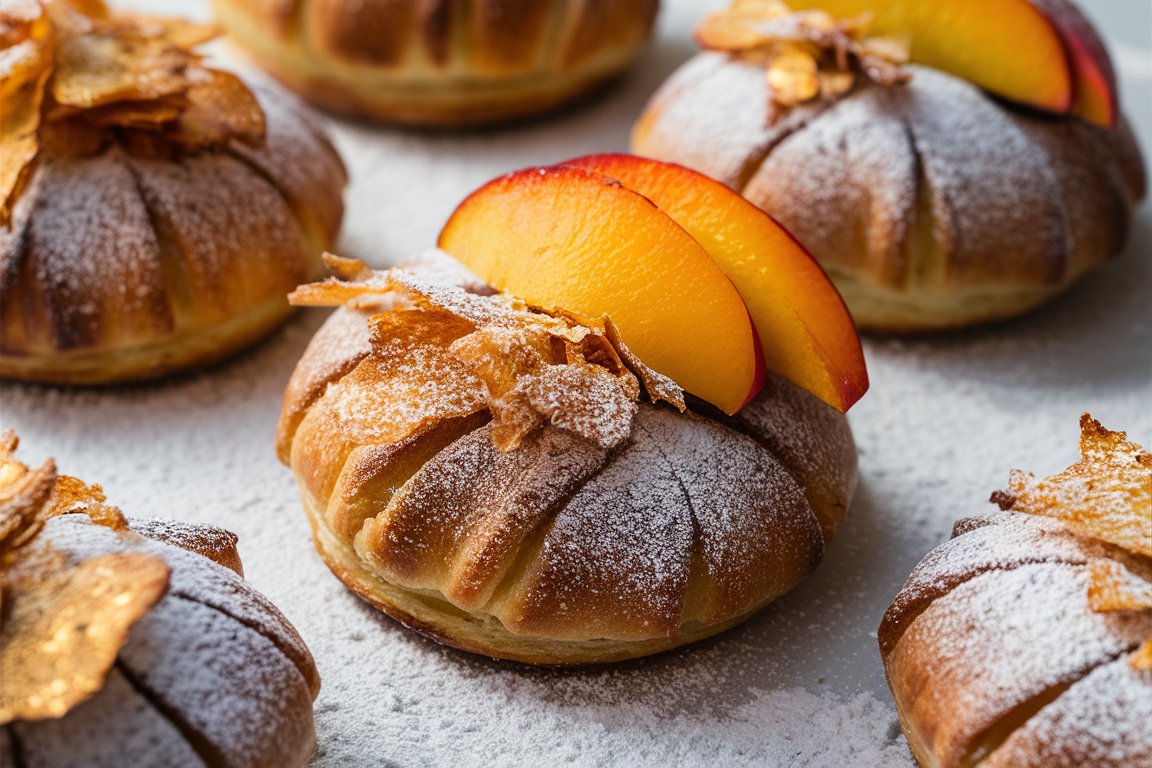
62	622
809	55
529	366
74	77
1107	496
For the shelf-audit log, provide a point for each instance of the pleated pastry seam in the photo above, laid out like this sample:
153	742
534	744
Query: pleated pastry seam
1023	713
533	539
925	246
15	275
208	752
250	625
303	217
177	289
739	427
912	616
696	557
753	164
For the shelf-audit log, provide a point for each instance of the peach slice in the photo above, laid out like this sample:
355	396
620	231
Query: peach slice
1012	48
805	330
567	237
1094	80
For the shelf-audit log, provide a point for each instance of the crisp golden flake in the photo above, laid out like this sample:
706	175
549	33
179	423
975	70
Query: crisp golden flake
62	622
1107	495
808	55
528	366
65	623
1112	587
74	77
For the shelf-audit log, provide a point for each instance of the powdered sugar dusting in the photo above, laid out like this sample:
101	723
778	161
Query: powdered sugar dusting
1004	543
88	737
993	192
212	212
855	159
87	206
623	543
1024	631
176	652
1101	721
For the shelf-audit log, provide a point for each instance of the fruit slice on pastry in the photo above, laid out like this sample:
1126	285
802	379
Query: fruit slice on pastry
806	332
1042	53
570	238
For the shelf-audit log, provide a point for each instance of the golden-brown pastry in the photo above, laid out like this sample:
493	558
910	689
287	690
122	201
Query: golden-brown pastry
1026	640
123	643
930	204
490	475
153	212
441	63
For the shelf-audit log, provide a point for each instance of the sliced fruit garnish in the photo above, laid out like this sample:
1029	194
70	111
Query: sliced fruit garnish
570	238
805	330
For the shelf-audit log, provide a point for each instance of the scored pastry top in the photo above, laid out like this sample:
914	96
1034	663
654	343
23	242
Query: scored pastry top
123	637
520	471
1009	643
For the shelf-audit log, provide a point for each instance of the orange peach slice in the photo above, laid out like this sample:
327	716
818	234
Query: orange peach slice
805	330
1009	47
566	237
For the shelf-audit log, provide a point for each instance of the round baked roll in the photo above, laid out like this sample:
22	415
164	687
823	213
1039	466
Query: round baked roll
1026	640
150	223
441	63
930	204
491	476
137	642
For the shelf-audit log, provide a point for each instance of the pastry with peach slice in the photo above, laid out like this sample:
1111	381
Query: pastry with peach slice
515	481
571	238
1041	53
805	331
917	170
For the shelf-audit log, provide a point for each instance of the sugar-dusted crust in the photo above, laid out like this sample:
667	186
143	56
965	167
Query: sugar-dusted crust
118	266
930	205
1017	642
213	675
558	551
441	63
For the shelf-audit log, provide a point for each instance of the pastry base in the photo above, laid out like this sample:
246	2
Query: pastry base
184	349
430	614
431	103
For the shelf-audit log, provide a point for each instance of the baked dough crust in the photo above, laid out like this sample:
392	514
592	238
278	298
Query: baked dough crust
119	266
441	63
558	552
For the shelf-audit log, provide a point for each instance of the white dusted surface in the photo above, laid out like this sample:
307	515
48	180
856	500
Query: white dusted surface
801	684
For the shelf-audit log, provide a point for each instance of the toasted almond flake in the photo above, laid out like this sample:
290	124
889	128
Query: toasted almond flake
1107	495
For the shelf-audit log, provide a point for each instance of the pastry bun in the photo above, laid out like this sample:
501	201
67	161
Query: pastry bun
930	204
441	63
1026	640
137	246
574	544
203	672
